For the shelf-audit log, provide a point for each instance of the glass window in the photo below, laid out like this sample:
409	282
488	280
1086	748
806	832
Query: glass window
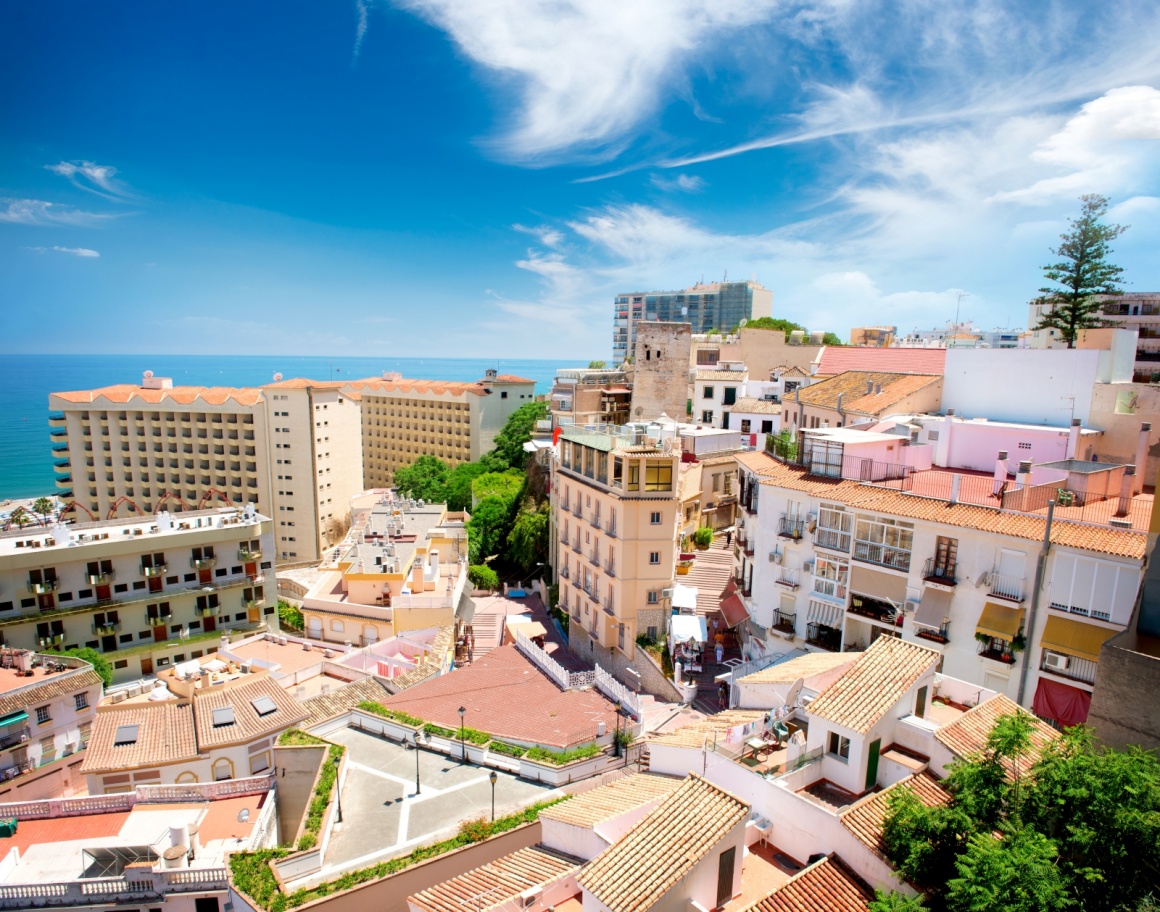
654	557
708	394
634	476
830	577
834	528
883	541
654	518
839	746
658	477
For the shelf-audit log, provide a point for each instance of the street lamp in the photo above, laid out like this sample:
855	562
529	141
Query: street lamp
415	744
462	746
493	776
616	740
337	791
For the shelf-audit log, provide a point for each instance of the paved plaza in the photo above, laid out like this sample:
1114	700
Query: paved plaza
383	818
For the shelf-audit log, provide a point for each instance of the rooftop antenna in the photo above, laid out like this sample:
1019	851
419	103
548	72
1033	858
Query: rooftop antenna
958	304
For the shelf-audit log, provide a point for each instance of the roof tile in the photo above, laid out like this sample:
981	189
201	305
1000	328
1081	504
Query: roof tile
865	818
497	882
827	886
606	802
837	359
967	735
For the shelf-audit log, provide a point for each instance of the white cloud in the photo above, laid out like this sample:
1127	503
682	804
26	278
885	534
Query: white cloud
44	213
83	252
98	179
363	9
585	72
545	234
684	183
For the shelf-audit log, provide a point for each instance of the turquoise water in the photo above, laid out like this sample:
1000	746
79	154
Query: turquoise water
26	381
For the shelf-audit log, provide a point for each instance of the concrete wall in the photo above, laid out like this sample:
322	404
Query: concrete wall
762	350
1124	707
297	769
660	370
1118	409
1037	387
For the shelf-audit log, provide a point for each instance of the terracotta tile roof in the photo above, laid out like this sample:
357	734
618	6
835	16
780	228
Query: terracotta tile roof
865	818
128	393
1117	542
165	734
650	859
344	699
608	801
306	383
431	664
47	830
373	386
695	734
790	370
851	386
248	724
826	886
497	882
508	696
967	735
802	667
869	688
756	406
711	374
34	691
836	360
512	378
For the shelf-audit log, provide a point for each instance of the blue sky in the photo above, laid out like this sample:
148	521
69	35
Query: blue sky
467	177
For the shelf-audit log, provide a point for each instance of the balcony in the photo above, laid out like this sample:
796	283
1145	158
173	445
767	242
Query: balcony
204	611
101	579
154	572
787	578
61	465
883	556
785	622
246	555
203	563
55	416
576	546
43	587
252	603
64	482
997	651
939	573
58	432
578	511
791	528
823	637
610	530
610	569
594	560
1006	587
594	522
564	573
107	628
1069	667
833	539
940	634
62	447
160	620
876	610
14	738
50	642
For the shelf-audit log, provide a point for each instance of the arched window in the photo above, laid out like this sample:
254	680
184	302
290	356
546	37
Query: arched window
186	777
222	769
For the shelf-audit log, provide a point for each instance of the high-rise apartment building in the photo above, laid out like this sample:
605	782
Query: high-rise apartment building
457	422
145	591
709	306
1138	310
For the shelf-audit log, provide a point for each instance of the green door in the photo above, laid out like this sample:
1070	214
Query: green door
872	764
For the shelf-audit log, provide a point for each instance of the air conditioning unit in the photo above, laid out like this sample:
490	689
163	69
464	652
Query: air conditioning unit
666	593
808	566
530	896
775	557
1056	662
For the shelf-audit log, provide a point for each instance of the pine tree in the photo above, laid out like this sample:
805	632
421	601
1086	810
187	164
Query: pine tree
1082	272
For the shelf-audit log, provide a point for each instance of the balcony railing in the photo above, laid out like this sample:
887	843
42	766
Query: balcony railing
563	573
576	546
787	578
247	555
155	571
207	610
48	642
883	556
107	628
940	634
833	539
12	738
828	638
998	651
1069	667
610	530
791	528
610	568
594	560
253	603
939	572
160	620
875	611
1006	587
785	622
203	563
43	587
101	579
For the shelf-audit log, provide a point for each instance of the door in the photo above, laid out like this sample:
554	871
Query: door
920	703
946	554
251	568
210	624
725	876
872	764
160	633
146	667
155	583
205	576
104	593
108	644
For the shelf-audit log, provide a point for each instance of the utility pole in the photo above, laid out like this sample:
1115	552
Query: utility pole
1040	572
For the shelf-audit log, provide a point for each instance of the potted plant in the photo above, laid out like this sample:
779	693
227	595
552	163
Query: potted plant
1018	642
683	567
703	538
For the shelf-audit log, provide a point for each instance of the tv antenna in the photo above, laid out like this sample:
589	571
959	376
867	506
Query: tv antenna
958	304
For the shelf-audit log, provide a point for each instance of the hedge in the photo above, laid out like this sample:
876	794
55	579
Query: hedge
393	714
560	758
474	735
510	750
321	800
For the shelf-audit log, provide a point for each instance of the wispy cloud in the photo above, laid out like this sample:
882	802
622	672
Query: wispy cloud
683	183
99	179
363	8
46	214
545	234
83	252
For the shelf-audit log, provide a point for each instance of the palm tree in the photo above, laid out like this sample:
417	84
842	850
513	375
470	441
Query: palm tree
42	507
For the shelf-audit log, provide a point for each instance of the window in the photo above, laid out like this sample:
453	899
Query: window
839	746
82	701
834	528
43	715
658	477
730	395
653	597
708	394
707	416
654	557
830	577
884	541
744	425
654	518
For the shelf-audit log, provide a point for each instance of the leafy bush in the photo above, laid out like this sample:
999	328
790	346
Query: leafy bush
508	750
250	872
394	715
476	830
100	664
321	800
296	737
469	734
289	617
703	537
482	577
561	758
623	737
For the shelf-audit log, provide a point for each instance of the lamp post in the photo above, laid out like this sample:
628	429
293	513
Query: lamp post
415	744
462	746
337	792
493	776
616	739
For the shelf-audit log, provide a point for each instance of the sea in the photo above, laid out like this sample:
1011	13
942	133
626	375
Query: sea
26	381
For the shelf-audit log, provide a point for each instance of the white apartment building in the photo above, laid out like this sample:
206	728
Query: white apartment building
146	592
832	555
715	393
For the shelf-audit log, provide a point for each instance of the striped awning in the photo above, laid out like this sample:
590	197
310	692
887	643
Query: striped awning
824	613
1000	621
1073	638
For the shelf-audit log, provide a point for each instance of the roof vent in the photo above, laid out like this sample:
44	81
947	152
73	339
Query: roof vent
223	716
126	734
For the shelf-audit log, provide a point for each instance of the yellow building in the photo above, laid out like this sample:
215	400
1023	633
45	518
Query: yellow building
615	511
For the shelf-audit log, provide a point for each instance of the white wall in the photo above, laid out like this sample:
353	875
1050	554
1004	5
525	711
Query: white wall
1033	386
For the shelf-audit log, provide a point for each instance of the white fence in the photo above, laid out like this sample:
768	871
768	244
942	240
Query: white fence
614	690
140	886
576	680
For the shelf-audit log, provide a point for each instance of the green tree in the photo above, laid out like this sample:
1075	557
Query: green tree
597	365
894	902
424	479
42	507
482	577
1081	272
457	487
488	528
775	323
507	486
100	664
289	617
527	543
1016	872
832	339
19	517
509	442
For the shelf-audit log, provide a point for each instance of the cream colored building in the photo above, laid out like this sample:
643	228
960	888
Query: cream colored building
402	567
615	507
404	419
146	592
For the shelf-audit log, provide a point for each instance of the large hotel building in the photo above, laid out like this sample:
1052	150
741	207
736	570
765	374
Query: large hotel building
297	449
713	306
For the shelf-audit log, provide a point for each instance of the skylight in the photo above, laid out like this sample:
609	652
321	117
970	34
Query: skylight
223	715
264	706
126	734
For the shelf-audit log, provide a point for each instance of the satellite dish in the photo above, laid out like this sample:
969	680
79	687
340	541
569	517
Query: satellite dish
243	815
278	378
744	322
148	375
795	690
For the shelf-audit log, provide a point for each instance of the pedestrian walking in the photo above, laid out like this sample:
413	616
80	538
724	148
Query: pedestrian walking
722	696
716	622
728	538
720	652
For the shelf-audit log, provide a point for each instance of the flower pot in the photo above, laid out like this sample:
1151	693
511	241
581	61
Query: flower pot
682	570
701	547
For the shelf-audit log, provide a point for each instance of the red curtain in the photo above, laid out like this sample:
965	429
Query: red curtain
1066	705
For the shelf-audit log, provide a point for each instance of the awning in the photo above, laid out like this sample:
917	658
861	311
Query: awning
13	718
824	613
1066	705
685	627
1000	621
877	584
531	629
734	610
934	609
684	597
1074	638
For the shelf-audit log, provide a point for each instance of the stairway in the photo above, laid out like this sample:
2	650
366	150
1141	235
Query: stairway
487	628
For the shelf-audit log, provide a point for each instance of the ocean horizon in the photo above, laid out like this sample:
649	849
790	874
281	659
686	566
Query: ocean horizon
27	380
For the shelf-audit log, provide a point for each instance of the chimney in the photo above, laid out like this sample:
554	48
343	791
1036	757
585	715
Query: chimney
1023	480
417	576
877	388
1127	488
956	484
1073	439
1142	457
869	387
841	396
1000	472
950	413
